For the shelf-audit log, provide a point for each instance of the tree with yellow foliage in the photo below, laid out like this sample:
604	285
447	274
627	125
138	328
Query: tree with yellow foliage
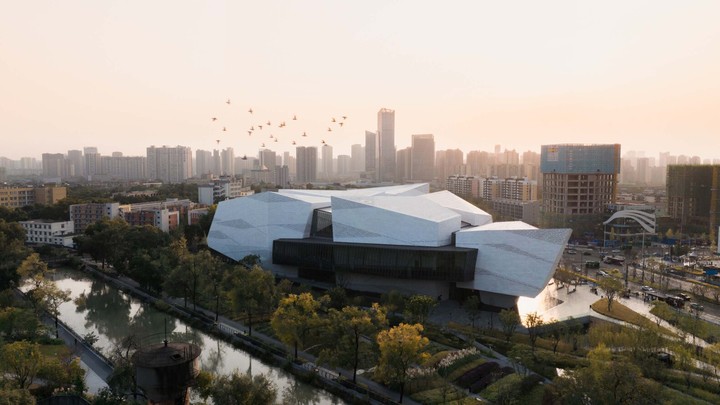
400	347
295	317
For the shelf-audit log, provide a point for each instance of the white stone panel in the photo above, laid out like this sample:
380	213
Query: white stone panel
249	225
517	262
393	221
468	212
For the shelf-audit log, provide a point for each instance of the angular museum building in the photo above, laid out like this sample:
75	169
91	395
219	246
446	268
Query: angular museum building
400	238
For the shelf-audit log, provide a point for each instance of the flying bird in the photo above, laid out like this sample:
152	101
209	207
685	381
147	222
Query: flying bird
224	129
329	129
250	111
323	142
262	146
268	123
333	120
293	142
344	117
294	117
252	128
260	126
249	133
214	118
304	134
271	136
228	101
341	124
275	139
244	157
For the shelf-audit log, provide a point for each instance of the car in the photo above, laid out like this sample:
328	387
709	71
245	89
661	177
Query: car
602	273
646	288
571	252
587	253
697	306
684	296
616	251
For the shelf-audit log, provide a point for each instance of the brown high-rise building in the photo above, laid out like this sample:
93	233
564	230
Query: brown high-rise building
579	181
693	199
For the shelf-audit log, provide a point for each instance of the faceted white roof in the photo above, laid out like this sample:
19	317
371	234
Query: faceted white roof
469	213
501	226
412	206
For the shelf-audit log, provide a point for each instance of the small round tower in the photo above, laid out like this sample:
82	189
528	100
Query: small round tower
165	371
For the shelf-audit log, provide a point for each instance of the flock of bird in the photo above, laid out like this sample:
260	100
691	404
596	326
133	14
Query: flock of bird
268	136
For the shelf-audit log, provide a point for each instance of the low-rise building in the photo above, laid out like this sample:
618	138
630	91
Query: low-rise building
82	215
49	232
18	197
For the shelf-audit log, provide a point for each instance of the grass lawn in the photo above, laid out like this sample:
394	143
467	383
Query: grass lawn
708	331
623	313
58	351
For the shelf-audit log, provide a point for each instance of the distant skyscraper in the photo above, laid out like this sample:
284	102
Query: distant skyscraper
357	158
402	165
227	158
169	164
449	163
579	181
92	162
693	197
306	159
371	154
386	145
53	165
203	162
268	160
76	158
343	165
327	162
422	159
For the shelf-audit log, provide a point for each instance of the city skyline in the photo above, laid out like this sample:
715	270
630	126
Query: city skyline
124	76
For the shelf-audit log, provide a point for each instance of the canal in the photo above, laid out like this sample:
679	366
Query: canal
113	315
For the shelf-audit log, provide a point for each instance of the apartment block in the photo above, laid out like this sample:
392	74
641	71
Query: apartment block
82	215
49	232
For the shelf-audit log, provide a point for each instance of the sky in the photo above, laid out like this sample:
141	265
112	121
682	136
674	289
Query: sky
125	75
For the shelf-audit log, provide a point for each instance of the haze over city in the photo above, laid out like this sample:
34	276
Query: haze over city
122	76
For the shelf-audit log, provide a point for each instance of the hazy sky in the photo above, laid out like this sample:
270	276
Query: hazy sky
124	75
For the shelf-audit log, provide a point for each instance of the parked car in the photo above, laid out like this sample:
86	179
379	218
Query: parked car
602	273
646	288
697	306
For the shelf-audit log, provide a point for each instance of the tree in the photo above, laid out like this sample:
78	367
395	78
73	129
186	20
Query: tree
49	297
611	287
12	252
347	327
661	310
418	307
294	318
534	323
557	330
33	269
254	292
605	382
472	308
240	389
9	396
22	361
510	320
400	347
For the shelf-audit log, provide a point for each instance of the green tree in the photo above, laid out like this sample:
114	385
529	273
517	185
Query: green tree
606	382
612	288
400	347
346	330
10	396
418	307
533	323
294	318
21	360
509	320
12	252
255	292
49	297
472	308
240	389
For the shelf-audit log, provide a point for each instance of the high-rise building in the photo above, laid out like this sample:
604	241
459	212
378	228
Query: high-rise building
306	159
92	162
203	162
448	163
169	164
268	161
579	181
371	155
422	159
78	162
326	170
53	165
386	145
344	163
478	163
402	165
227	159
693	197
357	157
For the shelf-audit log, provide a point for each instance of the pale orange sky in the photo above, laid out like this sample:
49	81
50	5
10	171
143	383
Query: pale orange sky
124	75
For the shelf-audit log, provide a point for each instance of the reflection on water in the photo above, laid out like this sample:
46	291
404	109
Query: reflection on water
113	315
546	300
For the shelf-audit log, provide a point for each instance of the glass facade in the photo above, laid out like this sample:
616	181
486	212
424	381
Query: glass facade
577	159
